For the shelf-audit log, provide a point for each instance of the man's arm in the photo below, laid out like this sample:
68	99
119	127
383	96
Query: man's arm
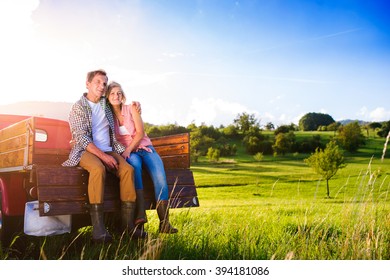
78	122
137	106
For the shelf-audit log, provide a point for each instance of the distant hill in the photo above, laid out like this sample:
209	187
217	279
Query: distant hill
347	121
55	110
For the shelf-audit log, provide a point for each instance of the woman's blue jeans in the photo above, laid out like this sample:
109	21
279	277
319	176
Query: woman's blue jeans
155	167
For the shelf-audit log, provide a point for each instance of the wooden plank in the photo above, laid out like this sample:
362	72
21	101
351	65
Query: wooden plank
13	143
184	176
61	176
50	159
171	139
41	151
63	193
14	153
182	202
50	156
175	162
174	149
62	208
12	159
16	129
175	203
181	191
176	191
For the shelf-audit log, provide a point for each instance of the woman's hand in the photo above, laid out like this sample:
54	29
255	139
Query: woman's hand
126	154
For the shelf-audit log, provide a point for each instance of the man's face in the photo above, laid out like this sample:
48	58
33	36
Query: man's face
96	87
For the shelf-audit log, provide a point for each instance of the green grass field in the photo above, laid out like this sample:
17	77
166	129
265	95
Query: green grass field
273	209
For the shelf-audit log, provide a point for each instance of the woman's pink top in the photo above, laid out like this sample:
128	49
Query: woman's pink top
126	133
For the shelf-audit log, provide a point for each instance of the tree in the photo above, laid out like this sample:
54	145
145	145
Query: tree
327	162
333	127
375	125
311	121
384	129
310	144
350	137
284	129
200	142
269	126
213	154
283	142
244	122
230	131
254	141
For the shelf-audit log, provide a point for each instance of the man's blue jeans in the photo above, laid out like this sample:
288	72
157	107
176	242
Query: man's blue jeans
155	167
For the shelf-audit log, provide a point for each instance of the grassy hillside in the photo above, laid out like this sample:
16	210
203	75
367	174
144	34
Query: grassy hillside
272	209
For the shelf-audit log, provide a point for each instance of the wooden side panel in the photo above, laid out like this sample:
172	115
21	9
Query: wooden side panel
174	150
171	139
13	143
182	189
50	156
54	208
63	190
16	145
61	176
177	161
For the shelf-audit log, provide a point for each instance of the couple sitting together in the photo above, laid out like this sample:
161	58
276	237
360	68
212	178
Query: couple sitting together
108	134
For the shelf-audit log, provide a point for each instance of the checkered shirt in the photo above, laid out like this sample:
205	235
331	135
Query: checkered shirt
80	122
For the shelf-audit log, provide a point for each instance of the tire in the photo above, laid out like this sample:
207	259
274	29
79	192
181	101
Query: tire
3	238
9	226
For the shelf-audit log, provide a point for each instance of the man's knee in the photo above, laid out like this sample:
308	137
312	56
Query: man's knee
98	170
127	170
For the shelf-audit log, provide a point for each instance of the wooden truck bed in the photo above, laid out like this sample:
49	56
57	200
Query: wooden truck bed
38	146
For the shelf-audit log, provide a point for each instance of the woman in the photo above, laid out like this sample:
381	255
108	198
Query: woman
129	131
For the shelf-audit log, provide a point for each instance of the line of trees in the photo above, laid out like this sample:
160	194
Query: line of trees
215	142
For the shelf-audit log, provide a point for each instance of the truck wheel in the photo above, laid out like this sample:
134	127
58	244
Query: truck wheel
9	226
2	237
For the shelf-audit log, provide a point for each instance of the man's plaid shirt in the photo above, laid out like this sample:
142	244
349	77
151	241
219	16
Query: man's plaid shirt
80	121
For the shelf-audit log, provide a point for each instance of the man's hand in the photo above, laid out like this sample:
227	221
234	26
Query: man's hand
137	106
110	162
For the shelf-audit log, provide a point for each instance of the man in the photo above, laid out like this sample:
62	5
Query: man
96	149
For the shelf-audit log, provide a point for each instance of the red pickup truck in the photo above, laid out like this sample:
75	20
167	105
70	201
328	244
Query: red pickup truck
32	150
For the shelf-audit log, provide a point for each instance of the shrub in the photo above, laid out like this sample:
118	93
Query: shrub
258	156
213	154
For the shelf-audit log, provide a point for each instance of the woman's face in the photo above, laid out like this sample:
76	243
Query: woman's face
115	96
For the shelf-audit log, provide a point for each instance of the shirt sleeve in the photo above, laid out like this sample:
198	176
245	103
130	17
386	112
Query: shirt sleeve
80	126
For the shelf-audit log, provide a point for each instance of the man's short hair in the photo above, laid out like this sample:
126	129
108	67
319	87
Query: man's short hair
92	74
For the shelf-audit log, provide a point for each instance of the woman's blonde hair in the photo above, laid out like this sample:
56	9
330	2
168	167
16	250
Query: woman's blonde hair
112	85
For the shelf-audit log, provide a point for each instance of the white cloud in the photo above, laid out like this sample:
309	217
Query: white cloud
363	112
323	111
379	114
15	17
275	100
173	54
212	111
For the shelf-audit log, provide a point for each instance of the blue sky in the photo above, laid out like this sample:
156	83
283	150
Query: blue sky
204	61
